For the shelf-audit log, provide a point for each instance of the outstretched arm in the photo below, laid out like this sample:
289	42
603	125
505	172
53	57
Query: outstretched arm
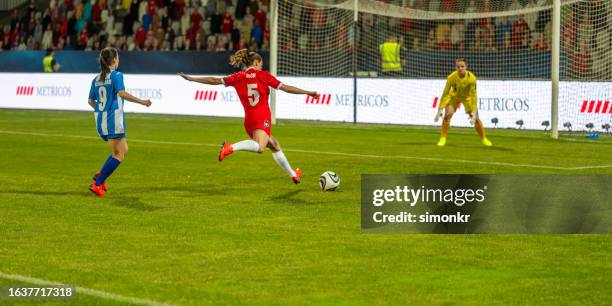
294	90
127	96
203	80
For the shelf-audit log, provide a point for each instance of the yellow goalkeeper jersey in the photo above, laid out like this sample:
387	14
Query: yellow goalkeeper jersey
460	90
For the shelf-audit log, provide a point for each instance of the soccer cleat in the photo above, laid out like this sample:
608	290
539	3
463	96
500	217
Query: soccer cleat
442	142
95	177
97	189
226	150
298	176
487	142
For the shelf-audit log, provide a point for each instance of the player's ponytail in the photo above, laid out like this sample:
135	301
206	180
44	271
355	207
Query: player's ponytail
243	58
107	55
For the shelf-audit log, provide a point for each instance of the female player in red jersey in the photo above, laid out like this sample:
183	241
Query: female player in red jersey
253	87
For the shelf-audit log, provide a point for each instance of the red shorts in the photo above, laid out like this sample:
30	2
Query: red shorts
260	122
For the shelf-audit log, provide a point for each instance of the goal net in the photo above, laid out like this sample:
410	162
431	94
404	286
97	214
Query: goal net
507	45
585	102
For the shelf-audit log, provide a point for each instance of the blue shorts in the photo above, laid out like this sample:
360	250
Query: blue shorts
113	136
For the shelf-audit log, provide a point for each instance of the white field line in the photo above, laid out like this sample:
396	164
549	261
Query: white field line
443	160
80	290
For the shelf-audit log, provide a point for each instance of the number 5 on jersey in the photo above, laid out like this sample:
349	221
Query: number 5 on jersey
253	94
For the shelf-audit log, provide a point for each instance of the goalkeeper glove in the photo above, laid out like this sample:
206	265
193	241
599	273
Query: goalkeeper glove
438	115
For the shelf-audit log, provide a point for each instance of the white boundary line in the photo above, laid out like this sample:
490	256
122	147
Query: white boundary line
81	290
465	161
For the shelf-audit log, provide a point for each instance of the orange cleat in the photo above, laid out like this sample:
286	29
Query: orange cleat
95	177
298	176
97	190
226	150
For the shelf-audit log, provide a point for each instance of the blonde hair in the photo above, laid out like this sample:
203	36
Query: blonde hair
243	58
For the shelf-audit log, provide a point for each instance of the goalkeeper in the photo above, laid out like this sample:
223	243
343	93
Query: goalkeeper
460	89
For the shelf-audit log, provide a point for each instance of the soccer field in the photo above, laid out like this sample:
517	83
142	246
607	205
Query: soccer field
181	228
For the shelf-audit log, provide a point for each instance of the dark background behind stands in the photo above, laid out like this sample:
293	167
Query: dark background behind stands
518	64
133	62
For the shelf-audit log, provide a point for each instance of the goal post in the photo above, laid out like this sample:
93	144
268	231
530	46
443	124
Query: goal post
555	60
273	53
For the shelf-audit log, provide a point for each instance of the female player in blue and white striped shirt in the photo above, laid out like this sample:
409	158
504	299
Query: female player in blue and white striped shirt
106	96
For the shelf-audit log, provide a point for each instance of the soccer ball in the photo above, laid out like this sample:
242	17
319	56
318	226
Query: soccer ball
329	181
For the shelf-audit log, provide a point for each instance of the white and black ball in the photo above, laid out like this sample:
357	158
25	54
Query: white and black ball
329	181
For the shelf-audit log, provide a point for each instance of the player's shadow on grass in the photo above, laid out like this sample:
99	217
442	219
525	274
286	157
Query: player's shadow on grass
189	190
291	197
52	193
416	143
479	146
132	202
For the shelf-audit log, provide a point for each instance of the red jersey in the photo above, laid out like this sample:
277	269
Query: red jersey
253	89
228	24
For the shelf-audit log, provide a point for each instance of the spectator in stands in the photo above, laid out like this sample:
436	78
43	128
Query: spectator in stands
581	61
442	31
47	39
458	36
445	43
140	37
49	63
531	18
430	42
245	29
260	16
227	23
21	46
220	44
341	39
216	20
504	29
489	35
539	42
390	61
585	31
257	34
241	6
568	32
253	6
544	17
520	34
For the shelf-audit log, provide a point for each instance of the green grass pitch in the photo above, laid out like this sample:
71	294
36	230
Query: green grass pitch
179	227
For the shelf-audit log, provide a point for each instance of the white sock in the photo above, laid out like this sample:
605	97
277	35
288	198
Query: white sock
246	145
282	161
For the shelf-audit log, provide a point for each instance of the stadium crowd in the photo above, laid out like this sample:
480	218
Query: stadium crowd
211	25
227	25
